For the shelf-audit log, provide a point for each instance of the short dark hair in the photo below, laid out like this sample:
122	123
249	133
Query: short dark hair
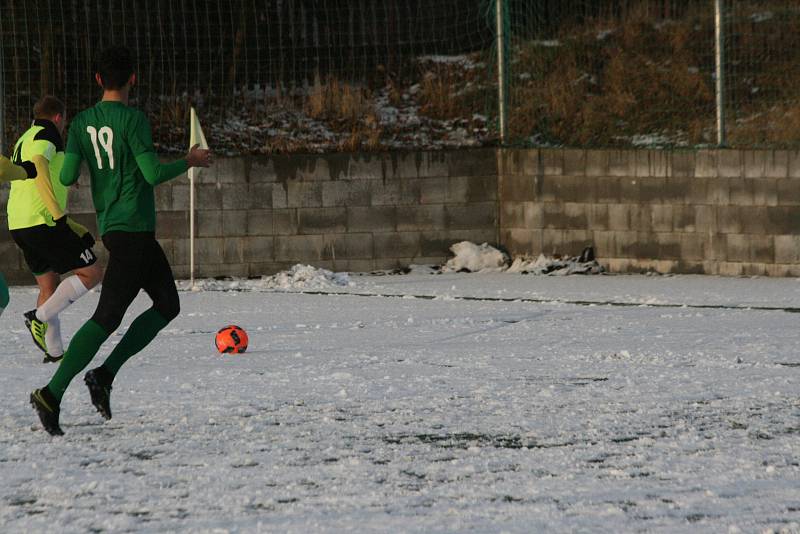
47	107
115	66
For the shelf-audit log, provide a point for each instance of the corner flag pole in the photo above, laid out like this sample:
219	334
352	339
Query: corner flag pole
196	137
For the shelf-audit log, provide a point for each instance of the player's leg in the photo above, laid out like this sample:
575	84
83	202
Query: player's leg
32	241
4	297
53	347
159	284
121	284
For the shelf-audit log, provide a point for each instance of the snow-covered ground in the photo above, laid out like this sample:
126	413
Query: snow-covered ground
438	414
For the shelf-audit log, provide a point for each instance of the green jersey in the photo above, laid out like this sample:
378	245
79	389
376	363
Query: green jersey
116	142
25	206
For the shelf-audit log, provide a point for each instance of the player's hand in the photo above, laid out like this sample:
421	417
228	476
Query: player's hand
198	157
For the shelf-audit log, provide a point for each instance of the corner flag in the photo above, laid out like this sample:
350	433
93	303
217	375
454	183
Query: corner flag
196	137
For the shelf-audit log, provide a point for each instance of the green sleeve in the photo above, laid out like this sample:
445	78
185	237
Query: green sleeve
71	170
156	172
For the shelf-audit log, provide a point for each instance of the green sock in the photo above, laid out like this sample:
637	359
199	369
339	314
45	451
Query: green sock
142	331
84	345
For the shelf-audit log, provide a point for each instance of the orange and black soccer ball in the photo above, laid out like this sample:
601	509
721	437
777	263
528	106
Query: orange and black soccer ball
231	340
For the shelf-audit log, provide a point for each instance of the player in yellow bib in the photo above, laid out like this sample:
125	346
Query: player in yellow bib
52	243
9	172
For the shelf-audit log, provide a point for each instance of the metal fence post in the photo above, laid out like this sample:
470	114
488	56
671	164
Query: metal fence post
2	99
719	44
502	112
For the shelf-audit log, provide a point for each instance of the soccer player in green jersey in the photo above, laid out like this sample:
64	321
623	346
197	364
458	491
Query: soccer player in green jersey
116	142
52	243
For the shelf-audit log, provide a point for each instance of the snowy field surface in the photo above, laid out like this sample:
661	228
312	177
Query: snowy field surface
477	403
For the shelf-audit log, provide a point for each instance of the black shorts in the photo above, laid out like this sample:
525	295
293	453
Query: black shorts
136	261
54	248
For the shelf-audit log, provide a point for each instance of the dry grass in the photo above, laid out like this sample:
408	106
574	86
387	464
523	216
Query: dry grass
340	103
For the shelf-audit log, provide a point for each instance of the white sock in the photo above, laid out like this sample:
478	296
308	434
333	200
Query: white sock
68	291
53	337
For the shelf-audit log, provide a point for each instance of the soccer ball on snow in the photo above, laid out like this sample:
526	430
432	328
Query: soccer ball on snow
231	339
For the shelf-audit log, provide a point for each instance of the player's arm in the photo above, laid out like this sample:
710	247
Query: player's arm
155	172
71	169
45	187
10	171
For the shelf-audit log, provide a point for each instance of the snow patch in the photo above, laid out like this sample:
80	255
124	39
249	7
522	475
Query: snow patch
476	258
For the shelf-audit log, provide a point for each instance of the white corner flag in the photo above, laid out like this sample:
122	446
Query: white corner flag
196	137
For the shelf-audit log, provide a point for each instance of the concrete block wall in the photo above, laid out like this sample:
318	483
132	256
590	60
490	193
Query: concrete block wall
725	212
708	211
258	215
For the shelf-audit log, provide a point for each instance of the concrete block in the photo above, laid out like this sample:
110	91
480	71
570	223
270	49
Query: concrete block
422	217
670	246
575	241
608	189
552	241
207	250
512	215
372	219
597	162
575	216
621	162
603	243
783	220
552	161
360	266
209	223
762	248
651	190
478	215
433	190
677	190
730	163
729	220
794	163
259	223
787	248
436	244
205	195
647	246
235	196
629	190
522	241
683	163
258	248
776	164
575	162
280	196
171	224
738	248
304	194
619	217
398	192
715	247
533	213
234	250
691	247
755	220
697	193
788	191
626	244
740	192
347	193
662	216
285	222
299	248
520	188
719	191
163	196
224	170
368	166
727	268
260	196
683	218
755	163
322	220
259	169
352	246
473	162
706	164
397	244
765	191
652	164
527	161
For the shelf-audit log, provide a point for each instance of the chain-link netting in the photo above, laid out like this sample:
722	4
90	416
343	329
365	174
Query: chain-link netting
327	75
